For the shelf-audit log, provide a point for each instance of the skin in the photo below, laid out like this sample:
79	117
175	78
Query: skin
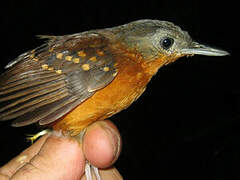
59	157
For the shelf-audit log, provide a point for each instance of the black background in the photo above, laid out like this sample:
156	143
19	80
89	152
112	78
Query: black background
187	122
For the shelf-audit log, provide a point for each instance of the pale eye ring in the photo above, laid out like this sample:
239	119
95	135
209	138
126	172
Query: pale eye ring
166	42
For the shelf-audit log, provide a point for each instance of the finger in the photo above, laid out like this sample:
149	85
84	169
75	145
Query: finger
19	161
59	158
102	144
108	174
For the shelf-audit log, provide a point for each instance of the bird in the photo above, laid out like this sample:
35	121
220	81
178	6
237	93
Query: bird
74	80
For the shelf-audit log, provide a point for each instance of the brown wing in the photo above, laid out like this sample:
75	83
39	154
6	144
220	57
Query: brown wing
48	82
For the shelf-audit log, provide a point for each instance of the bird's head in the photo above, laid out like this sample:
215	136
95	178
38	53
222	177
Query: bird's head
155	40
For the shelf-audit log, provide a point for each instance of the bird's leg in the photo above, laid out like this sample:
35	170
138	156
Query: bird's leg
88	167
88	171
96	172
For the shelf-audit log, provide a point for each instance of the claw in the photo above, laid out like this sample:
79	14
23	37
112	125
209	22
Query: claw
33	137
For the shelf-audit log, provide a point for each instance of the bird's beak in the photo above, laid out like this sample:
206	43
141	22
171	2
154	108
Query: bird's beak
200	49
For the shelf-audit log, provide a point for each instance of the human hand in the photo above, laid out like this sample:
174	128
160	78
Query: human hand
56	157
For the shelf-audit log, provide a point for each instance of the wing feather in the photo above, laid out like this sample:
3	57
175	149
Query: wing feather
18	80
46	83
41	112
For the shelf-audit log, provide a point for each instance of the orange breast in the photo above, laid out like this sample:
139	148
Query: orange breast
128	85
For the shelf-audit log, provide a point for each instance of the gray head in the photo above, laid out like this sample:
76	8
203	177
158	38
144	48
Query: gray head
153	38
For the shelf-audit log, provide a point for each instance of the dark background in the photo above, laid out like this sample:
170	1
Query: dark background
187	122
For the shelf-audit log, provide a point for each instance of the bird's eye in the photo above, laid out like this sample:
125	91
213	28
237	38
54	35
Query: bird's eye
166	43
